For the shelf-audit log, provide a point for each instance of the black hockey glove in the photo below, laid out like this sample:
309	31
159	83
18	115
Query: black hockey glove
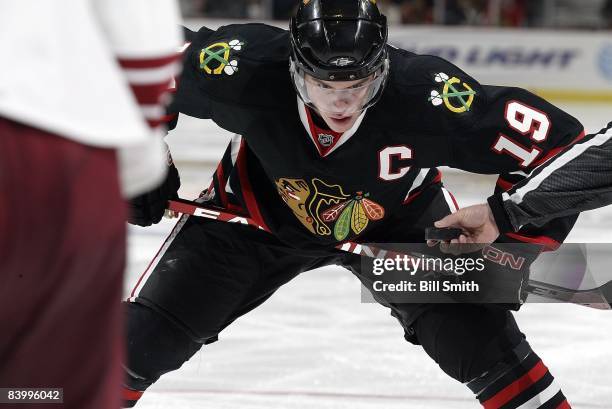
148	208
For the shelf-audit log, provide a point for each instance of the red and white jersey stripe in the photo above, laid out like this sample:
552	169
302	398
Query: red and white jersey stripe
93	71
62	73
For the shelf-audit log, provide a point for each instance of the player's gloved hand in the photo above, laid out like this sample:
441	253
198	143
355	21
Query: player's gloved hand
148	208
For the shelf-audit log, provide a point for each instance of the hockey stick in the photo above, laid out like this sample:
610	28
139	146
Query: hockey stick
598	297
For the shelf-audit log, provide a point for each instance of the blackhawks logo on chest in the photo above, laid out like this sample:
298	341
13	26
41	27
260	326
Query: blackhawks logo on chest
325	209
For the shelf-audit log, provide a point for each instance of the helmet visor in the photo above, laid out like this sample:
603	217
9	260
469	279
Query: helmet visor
338	98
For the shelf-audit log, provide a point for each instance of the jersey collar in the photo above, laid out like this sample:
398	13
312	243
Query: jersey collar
314	132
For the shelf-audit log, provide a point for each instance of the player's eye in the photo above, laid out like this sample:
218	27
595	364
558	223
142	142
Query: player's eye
358	85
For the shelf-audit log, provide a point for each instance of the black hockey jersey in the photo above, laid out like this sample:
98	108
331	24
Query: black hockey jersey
430	114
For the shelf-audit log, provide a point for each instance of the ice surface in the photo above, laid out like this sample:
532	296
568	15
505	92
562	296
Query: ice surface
315	345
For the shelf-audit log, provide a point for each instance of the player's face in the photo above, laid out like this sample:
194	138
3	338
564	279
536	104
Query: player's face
338	102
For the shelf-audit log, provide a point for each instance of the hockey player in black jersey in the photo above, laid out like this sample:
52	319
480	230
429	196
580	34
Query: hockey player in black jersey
338	136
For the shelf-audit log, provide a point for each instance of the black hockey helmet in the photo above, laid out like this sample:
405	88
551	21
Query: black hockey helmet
339	40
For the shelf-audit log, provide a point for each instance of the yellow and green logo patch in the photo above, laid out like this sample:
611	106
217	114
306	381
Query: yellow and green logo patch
456	95
219	58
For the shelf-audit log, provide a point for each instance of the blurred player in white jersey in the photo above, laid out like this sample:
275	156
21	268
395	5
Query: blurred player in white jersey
80	102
